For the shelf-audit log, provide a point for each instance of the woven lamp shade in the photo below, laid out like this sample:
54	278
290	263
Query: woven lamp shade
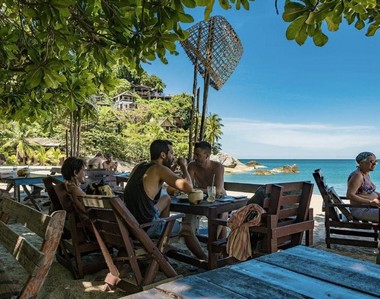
216	47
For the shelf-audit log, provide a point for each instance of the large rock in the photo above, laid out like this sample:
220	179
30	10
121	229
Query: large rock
286	169
254	164
227	160
263	172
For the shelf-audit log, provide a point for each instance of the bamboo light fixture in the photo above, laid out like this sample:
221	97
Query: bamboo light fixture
215	47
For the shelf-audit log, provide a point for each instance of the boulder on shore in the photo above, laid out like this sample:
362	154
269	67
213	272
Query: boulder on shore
284	169
231	164
227	160
287	169
263	172
254	164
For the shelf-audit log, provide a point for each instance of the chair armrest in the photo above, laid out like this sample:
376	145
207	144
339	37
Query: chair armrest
352	206
166	219
219	221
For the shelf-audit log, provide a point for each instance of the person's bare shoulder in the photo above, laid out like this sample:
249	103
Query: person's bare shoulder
192	165
355	176
217	165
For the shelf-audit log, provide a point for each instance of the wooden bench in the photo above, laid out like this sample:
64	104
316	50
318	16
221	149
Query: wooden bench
36	260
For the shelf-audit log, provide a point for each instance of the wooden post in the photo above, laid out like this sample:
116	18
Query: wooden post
195	83
197	116
207	66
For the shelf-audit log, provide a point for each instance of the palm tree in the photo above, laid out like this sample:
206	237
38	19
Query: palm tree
17	135
213	131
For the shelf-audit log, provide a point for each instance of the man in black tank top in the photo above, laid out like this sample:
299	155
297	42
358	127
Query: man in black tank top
142	193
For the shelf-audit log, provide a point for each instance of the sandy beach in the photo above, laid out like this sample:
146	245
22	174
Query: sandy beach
60	284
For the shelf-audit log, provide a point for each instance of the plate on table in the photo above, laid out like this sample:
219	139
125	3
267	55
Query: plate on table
230	198
183	196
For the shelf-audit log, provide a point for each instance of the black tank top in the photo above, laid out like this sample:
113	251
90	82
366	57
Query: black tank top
135	198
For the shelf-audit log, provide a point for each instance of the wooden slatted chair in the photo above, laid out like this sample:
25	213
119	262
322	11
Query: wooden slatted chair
49	182
288	217
116	227
341	227
35	259
79	251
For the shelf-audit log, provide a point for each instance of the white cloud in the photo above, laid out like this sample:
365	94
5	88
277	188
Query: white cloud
256	139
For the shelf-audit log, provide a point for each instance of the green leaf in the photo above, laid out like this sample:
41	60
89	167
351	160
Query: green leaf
189	3
245	4
372	29
295	27
225	4
292	11
208	9
359	24
185	18
320	39
331	24
34	75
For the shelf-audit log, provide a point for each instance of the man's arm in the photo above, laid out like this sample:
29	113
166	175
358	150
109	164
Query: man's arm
191	170
184	184
219	180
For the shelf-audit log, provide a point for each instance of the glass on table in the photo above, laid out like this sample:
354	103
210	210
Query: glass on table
211	193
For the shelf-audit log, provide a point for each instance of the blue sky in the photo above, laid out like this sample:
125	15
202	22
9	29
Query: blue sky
289	101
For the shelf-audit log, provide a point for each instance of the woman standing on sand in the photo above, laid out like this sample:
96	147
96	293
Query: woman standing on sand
361	189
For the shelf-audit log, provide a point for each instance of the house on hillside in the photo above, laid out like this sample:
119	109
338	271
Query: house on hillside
166	124
125	101
148	93
46	142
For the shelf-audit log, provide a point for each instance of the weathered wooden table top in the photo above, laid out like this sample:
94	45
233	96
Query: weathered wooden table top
299	272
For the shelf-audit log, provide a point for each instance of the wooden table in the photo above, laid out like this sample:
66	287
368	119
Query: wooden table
211	211
122	177
298	272
24	181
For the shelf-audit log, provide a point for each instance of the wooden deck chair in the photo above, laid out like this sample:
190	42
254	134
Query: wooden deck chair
79	250
49	183
288	216
341	227
116	227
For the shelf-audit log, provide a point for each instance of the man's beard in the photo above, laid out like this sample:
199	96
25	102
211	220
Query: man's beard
168	163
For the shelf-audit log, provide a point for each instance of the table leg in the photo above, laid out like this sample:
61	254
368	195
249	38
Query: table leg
212	236
31	197
16	192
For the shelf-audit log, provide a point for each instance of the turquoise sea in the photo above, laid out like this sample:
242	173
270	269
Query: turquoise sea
334	171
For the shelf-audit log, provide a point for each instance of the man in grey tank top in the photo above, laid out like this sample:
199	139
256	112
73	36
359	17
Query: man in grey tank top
142	195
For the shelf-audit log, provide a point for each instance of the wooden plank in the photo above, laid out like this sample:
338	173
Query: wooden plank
30	218
195	286
8	287
23	251
344	271
149	294
241	187
257	272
